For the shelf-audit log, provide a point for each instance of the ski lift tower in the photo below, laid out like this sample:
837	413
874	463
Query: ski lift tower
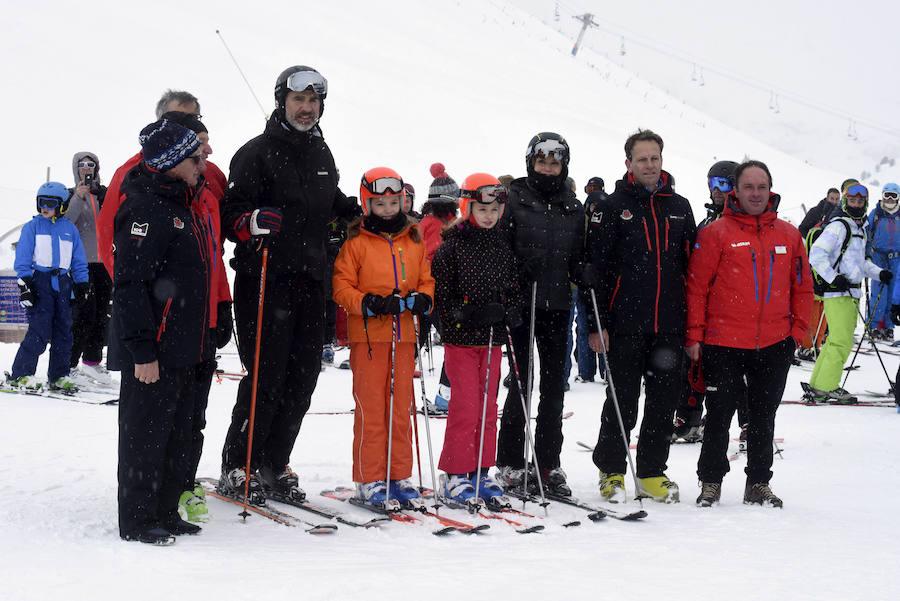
587	20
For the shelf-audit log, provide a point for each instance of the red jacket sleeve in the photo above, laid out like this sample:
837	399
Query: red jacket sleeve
107	218
801	291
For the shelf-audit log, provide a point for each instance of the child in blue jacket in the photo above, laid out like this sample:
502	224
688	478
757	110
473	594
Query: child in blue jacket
52	268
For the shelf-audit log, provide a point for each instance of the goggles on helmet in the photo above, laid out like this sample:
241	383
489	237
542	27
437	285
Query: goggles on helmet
48	202
858	190
301	80
383	185
486	194
722	184
895	196
551	148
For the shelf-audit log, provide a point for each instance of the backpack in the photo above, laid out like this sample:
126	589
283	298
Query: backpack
820	286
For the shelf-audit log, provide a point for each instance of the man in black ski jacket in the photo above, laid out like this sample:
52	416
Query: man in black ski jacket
818	213
282	192
544	223
162	272
640	240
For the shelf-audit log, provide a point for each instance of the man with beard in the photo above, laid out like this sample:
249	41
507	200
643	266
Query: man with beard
640	239
282	193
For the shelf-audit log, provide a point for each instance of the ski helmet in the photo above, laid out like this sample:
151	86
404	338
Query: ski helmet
297	79
410	192
547	144
381	181
857	190
891	187
53	195
482	188
594	182
721	176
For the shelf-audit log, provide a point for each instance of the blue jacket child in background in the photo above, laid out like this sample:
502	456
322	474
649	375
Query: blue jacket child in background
884	250
52	269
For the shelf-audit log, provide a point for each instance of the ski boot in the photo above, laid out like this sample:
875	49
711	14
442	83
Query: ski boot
761	494
178	526
658	488
25	383
710	493
407	495
232	482
375	494
65	385
687	425
327	355
554	481
838	396
282	484
612	487
192	505
97	373
458	489
510	477
489	490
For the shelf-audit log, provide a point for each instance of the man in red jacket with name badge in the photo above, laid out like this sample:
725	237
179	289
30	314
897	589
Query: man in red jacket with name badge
749	297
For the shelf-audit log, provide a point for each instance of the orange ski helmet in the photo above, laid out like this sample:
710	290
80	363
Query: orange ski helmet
381	181
483	188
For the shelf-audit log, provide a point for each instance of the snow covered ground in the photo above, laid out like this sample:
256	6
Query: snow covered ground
836	537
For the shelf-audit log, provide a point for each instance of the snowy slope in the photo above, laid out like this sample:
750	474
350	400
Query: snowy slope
411	83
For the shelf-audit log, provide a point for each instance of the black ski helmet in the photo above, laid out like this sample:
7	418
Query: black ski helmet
722	169
281	87
595	182
538	146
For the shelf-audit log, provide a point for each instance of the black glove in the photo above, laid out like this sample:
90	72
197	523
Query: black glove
373	304
885	276
224	322
585	276
533	267
27	294
261	222
492	314
513	318
464	315
418	303
80	292
840	283
895	313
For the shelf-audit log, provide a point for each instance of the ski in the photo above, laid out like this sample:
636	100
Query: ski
397	513
495	514
306	506
90	398
859	403
275	515
595	512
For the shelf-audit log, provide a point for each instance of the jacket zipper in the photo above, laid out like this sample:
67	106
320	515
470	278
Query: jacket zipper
771	269
667	233
162	323
647	234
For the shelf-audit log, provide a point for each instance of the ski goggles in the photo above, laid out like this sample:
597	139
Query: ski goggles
383	185
486	194
48	202
301	80
722	184
895	196
857	190
551	149
86	164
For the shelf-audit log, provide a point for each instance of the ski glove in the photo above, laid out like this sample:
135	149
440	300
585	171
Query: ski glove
224	321
513	318
463	315
492	314
840	283
895	313
533	267
374	305
418	303
27	293
260	222
885	276
584	276
81	292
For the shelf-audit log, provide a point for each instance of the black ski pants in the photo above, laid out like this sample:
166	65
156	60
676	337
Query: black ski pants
657	359
90	319
155	422
550	336
290	361
766	372
201	380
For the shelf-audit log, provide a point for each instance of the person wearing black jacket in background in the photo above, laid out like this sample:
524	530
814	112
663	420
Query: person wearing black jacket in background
162	275
544	223
640	240
282	193
818	213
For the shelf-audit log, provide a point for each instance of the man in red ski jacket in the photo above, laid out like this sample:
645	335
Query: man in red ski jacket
749	297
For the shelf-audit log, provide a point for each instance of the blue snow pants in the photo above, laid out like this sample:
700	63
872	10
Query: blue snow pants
49	320
880	313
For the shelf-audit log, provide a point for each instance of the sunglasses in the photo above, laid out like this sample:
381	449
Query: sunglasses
87	164
196	158
382	185
891	195
48	202
722	184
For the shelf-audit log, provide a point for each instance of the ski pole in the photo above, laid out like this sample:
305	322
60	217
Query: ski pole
530	376
815	339
249	87
875	346
615	400
484	398
529	437
387	496
434	481
259	319
412	416
861	339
